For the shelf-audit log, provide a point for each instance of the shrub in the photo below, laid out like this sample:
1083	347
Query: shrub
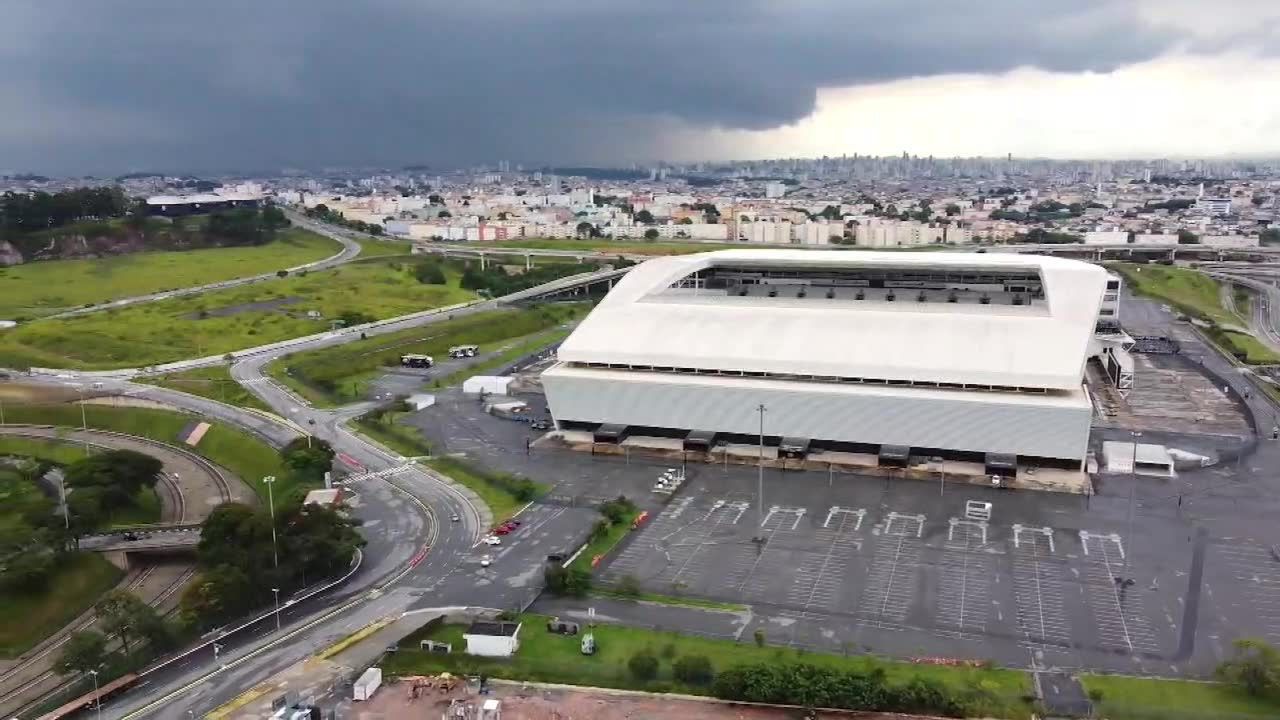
629	585
759	636
643	666
694	670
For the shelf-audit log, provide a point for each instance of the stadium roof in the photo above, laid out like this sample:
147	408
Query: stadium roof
642	323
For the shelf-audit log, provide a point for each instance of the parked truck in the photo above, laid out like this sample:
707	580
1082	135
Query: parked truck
368	684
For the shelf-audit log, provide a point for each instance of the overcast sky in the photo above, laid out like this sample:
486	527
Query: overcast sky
108	87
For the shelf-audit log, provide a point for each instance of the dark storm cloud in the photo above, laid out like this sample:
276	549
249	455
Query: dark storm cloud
103	86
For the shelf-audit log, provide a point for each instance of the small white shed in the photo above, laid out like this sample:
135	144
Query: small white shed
487	384
492	639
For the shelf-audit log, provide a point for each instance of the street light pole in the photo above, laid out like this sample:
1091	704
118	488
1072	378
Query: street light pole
84	421
276	591
271	504
1133	487
97	701
760	472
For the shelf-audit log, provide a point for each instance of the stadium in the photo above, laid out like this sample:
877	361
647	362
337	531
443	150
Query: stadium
964	356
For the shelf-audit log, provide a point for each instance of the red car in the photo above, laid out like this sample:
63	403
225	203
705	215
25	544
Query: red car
502	530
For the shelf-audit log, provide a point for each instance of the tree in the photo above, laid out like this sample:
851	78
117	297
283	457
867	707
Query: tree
83	651
216	595
574	582
952	209
651	234
693	670
1255	667
643	666
429	273
1258	200
126	617
585	229
435	199
308	458
120	474
686	221
444	214
1186	237
1270	236
629	586
645	217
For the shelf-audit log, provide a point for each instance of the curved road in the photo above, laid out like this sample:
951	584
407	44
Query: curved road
350	249
197	487
200	485
408	554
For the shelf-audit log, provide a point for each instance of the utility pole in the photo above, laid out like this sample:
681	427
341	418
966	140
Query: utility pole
84	421
276	591
760	474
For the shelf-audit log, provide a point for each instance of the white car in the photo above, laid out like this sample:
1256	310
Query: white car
492	540
486	561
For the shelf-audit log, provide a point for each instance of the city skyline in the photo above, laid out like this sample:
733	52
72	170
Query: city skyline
98	91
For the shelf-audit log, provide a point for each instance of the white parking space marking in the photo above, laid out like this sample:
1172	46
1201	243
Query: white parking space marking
1117	607
819	576
966	532
1037	587
778	526
964	577
841	513
1023	531
903	525
658	530
688	562
783	513
1257	573
891	582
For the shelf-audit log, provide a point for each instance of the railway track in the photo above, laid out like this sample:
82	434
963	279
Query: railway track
33	677
15	687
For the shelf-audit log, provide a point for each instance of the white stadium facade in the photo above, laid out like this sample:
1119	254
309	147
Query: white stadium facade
959	355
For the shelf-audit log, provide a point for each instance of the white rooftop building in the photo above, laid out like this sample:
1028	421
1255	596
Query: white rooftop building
962	355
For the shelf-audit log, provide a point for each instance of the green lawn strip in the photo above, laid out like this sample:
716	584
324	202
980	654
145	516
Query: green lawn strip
1127	698
55	451
405	440
370	247
502	503
42	288
239	452
1191	292
673	600
1255	353
340	374
504	356
546	657
214	383
601	546
222	321
29	617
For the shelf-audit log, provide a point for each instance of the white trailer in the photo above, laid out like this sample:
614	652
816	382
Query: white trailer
368	684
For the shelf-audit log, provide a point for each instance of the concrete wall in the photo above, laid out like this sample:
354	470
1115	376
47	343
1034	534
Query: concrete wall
1043	426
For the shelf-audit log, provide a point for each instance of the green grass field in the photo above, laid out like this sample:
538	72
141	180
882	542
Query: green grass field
502	355
1191	292
601	546
44	288
1125	698
1255	352
214	383
340	374
26	618
501	503
370	248
222	321
555	658
55	451
239	452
